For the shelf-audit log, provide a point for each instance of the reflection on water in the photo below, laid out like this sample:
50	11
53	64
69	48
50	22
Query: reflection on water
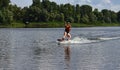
53	58
67	56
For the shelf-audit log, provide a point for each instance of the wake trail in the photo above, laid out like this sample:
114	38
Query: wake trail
80	40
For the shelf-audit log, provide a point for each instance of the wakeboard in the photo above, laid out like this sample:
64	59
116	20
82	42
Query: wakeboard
60	40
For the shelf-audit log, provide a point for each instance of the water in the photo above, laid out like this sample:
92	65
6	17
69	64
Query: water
37	49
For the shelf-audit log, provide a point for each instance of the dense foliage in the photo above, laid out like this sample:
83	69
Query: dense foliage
45	11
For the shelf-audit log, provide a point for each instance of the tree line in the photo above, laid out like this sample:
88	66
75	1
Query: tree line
47	11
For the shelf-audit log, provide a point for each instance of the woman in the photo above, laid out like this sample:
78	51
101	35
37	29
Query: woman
67	31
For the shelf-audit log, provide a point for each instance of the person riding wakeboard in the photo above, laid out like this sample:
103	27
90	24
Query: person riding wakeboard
67	31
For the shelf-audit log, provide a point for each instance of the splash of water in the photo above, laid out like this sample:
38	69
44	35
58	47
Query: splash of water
81	40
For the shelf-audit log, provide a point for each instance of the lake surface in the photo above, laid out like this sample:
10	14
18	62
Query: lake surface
37	49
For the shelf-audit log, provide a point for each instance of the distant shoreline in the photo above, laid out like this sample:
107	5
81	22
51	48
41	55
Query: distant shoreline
55	25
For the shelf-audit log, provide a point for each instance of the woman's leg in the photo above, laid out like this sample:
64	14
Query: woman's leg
69	36
64	36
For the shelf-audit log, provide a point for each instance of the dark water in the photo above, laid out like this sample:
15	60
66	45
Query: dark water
37	49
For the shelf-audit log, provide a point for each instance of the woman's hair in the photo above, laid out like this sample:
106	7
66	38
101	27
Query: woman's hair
68	22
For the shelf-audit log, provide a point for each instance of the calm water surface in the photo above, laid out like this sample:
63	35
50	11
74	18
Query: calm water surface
37	49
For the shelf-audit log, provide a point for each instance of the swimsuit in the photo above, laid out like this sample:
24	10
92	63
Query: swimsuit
67	29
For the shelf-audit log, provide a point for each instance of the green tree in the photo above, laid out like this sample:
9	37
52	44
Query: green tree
77	14
34	13
113	17
77	18
24	14
44	15
17	12
52	16
106	15
36	3
31	14
77	9
85	19
45	10
1	17
4	3
92	18
54	7
96	13
118	16
67	10
6	16
46	5
100	17
85	10
59	17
